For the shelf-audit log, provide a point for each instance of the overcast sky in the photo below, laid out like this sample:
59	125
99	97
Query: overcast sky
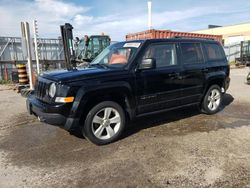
119	17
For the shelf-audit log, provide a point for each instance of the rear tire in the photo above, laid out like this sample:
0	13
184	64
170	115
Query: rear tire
104	123
212	100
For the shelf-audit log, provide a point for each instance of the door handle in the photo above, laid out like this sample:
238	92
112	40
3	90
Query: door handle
175	75
205	70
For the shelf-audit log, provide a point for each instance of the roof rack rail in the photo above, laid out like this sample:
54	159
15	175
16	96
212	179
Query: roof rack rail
193	37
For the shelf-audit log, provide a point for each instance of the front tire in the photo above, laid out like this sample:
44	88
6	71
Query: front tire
104	123
212	100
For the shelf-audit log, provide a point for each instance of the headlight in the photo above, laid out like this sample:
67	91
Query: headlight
52	90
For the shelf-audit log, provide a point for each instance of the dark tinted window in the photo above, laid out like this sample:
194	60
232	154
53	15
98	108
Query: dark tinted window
164	54
191	53
214	52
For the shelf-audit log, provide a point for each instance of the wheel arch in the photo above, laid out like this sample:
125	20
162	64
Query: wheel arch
214	79
120	93
218	79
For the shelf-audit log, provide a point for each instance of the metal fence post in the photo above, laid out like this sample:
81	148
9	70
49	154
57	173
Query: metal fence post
26	30
35	30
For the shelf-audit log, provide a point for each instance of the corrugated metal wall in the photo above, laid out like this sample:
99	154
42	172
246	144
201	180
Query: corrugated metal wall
11	49
232	51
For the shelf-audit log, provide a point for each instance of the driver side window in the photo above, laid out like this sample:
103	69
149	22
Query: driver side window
164	54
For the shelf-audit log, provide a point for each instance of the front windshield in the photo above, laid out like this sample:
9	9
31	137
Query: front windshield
80	48
117	55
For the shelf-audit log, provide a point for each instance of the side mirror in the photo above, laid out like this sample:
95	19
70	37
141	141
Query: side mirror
147	64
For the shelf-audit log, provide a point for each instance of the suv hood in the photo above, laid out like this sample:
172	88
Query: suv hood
75	75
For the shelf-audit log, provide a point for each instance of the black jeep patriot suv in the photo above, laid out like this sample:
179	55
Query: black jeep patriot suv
131	79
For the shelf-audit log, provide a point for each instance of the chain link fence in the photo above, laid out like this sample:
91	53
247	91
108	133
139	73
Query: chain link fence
51	55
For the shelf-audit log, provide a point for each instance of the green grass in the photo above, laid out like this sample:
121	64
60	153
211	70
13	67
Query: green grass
2	82
232	63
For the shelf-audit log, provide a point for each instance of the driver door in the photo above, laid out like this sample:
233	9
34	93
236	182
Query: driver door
159	88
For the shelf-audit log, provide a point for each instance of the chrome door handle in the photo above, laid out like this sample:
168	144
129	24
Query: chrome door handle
205	70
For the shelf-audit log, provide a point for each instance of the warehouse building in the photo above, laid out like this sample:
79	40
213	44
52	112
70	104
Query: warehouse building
231	34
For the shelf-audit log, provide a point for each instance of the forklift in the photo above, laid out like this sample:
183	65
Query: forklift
79	53
90	47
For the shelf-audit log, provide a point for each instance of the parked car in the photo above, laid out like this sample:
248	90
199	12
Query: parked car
131	79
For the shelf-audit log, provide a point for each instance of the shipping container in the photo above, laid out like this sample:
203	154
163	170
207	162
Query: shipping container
159	34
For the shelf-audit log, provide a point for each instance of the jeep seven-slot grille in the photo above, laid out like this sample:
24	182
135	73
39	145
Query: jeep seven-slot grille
40	89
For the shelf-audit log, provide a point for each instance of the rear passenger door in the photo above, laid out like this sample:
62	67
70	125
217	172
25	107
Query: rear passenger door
194	72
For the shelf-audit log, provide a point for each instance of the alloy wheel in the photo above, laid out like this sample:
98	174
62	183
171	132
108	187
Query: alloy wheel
214	99
106	123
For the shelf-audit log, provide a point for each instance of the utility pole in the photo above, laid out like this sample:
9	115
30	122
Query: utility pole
26	39
35	31
149	14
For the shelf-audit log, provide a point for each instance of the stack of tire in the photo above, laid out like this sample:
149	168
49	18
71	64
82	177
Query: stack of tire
22	75
23	80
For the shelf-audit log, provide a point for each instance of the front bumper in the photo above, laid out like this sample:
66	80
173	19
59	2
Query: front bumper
51	114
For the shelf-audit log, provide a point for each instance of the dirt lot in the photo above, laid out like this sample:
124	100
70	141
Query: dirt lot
176	149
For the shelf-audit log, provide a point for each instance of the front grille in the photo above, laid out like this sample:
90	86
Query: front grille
40	89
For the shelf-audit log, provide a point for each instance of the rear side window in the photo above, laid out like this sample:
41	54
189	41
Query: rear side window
191	53
214	51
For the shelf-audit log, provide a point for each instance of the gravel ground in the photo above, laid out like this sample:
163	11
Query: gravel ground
181	148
